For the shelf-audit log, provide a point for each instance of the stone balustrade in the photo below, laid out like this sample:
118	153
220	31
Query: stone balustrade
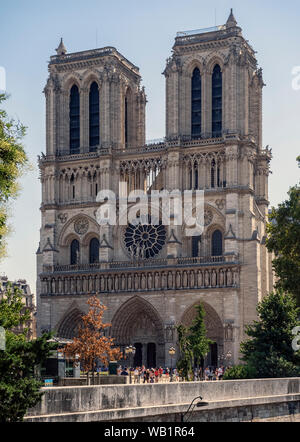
160	274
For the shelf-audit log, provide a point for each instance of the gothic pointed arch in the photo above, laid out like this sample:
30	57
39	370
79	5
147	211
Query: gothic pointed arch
213	323
134	314
192	62
68	326
69	227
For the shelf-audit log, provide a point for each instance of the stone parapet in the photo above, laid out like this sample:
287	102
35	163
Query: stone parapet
158	401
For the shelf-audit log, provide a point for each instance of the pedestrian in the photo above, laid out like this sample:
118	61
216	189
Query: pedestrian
136	375
160	371
147	375
207	374
124	371
195	374
200	375
220	373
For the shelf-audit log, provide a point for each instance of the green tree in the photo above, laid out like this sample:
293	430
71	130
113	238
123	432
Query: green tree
193	343
184	363
13	159
200	344
284	241
269	353
19	389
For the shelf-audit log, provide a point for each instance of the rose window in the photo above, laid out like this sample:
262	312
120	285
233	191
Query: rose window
144	240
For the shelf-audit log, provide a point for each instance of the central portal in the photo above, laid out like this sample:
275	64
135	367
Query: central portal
138	323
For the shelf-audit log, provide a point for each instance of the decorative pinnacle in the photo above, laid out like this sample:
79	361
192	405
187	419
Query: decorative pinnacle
231	22
61	50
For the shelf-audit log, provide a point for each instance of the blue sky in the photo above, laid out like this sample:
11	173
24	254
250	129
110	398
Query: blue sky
143	32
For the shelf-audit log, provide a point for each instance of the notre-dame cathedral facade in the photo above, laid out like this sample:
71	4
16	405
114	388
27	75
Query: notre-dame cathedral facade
95	139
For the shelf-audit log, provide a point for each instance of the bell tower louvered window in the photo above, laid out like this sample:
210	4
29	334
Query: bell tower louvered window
94	116
196	104
74	120
217	102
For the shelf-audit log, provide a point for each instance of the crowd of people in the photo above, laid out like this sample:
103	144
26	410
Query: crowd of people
159	374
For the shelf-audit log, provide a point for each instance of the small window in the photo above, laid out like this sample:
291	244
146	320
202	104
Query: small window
94	250
217	243
74	251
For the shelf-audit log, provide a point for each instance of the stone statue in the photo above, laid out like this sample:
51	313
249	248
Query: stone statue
156	280
206	279
143	281
214	279
229	278
149	281
221	275
199	278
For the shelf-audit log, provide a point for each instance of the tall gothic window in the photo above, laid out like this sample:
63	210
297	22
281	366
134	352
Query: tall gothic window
217	102
196	104
126	119
94	116
217	243
74	120
74	252
94	250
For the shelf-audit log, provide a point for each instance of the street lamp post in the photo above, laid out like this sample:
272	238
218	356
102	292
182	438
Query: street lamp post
130	350
172	352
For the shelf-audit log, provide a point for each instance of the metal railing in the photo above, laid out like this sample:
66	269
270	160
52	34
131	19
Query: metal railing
143	263
201	31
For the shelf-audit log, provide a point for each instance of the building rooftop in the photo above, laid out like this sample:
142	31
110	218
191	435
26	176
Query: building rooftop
63	57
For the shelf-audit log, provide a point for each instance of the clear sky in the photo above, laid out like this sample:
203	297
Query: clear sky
143	31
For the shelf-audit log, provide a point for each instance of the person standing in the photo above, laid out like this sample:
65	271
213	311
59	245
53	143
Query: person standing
220	373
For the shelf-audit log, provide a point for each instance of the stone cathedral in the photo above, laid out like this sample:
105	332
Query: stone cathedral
95	139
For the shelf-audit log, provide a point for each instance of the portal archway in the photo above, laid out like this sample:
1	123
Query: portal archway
138	323
68	327
214	330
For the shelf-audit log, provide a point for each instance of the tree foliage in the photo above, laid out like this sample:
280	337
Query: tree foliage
13	159
239	372
91	344
193	343
19	389
284	241
269	353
